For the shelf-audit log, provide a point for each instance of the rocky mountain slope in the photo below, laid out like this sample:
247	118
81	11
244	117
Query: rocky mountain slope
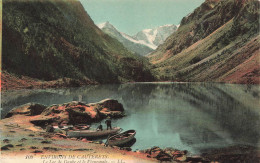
144	42
51	40
218	42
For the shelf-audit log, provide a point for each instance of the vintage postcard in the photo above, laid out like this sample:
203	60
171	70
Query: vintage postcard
130	81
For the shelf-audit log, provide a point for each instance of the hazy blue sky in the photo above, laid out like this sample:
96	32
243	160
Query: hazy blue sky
131	16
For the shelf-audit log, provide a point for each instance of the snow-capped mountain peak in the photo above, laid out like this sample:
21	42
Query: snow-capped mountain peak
149	38
156	36
106	25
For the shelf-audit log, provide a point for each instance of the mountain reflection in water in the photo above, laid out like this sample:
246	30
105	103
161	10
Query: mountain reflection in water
191	116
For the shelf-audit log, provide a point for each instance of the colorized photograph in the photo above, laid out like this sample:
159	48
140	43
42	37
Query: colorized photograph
130	81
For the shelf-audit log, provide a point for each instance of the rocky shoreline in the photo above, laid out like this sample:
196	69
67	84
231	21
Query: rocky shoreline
74	112
24	133
11	81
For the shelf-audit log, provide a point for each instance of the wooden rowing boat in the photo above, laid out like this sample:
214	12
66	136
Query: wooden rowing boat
122	138
93	133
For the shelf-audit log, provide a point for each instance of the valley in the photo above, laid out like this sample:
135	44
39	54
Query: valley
208	46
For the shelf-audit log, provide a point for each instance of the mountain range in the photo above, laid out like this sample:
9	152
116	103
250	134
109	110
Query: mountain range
144	42
217	42
58	41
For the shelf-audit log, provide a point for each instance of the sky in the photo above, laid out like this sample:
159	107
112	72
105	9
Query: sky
132	16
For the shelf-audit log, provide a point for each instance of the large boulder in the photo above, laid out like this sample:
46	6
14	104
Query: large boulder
73	112
82	113
167	154
112	105
29	109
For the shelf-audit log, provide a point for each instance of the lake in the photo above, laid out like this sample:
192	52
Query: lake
190	116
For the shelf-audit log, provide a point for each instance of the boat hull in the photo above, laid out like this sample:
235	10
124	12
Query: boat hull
120	142
93	133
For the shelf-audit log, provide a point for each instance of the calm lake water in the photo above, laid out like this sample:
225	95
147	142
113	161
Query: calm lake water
191	116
